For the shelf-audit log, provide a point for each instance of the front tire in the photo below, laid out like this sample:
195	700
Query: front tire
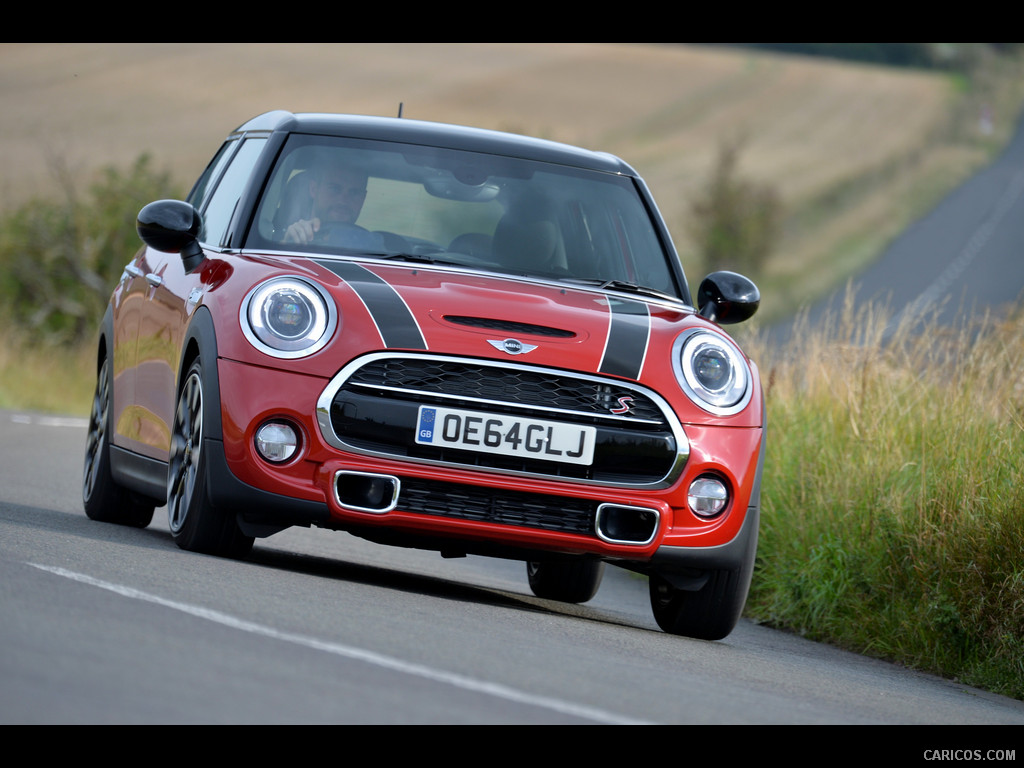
708	613
104	500
573	580
196	524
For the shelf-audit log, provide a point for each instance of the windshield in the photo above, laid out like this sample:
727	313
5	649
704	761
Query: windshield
481	211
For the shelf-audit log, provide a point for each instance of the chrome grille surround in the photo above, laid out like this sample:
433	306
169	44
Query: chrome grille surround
539	392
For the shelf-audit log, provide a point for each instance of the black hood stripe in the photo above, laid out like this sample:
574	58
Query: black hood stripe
629	332
394	320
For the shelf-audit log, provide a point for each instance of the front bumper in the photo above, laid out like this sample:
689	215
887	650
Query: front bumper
467	509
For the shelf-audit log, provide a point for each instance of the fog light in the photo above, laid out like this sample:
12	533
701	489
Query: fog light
708	496
366	491
276	441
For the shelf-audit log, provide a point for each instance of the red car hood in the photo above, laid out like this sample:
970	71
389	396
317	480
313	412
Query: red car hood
504	318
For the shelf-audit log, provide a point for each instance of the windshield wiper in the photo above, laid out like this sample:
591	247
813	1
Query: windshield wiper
416	258
622	285
406	257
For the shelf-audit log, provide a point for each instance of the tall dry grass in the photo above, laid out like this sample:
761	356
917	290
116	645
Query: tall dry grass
893	499
46	377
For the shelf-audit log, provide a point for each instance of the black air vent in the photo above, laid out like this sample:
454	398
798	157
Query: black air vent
509	326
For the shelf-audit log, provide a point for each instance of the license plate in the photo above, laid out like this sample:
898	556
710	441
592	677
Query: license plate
506	435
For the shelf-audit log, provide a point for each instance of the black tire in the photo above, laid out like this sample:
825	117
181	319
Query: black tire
195	523
574	580
104	500
708	613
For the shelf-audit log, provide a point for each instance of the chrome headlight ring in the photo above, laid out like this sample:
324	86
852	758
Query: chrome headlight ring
712	372
288	317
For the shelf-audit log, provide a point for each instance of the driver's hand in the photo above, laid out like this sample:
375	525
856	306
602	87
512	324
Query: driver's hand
302	231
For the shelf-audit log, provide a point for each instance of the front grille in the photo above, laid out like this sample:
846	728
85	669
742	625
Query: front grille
519	388
526	510
372	407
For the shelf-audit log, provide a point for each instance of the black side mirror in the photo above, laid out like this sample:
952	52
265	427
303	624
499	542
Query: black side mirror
726	298
172	226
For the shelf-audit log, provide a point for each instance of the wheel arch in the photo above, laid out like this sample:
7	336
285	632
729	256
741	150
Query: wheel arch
104	336
200	342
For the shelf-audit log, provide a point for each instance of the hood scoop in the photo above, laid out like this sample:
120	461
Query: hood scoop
509	326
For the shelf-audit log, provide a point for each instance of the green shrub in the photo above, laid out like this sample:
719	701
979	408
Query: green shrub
59	260
734	223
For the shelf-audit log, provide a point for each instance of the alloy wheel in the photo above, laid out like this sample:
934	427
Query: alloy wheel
186	447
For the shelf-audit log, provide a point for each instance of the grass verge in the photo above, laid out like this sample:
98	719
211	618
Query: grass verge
893	499
45	377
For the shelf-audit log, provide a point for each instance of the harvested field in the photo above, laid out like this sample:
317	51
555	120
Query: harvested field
810	126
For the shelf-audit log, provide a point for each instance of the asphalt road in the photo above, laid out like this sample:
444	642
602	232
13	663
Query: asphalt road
962	259
101	624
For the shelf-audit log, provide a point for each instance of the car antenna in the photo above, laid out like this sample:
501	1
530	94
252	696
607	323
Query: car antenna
399	109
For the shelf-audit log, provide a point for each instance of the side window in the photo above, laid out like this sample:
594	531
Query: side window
222	202
202	188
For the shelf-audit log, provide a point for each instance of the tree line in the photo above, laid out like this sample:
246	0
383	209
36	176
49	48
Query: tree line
949	56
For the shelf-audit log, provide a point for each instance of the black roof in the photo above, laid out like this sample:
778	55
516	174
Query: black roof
437	135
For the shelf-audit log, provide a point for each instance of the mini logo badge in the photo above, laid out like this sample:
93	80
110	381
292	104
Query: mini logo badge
512	346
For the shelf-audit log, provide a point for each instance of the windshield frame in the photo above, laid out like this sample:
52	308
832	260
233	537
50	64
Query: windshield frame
659	255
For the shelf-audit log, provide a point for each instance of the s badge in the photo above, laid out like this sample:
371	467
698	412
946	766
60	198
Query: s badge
625	406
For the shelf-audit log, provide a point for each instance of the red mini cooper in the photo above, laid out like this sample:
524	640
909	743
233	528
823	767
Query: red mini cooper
439	337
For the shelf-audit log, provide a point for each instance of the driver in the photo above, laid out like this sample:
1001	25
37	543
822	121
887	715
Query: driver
338	193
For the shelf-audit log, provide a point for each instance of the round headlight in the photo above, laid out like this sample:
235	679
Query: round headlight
288	314
712	372
288	317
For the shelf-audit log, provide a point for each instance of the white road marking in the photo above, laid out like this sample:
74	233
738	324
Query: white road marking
459	681
49	421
